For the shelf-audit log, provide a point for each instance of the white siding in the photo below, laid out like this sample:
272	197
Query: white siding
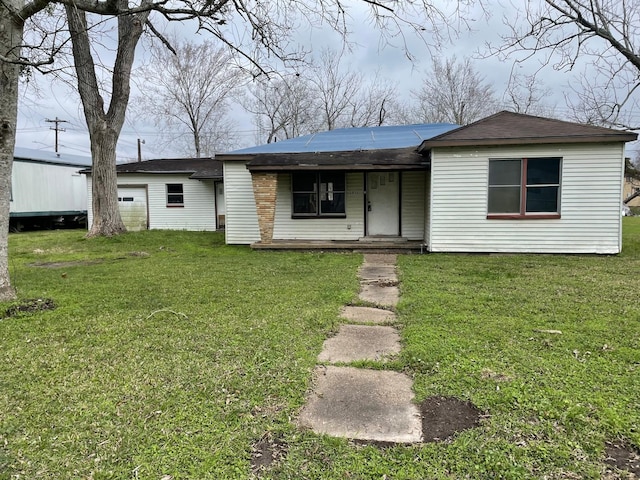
198	213
47	189
427	207
413	205
240	205
590	202
349	228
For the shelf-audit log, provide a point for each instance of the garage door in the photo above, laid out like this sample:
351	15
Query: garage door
133	207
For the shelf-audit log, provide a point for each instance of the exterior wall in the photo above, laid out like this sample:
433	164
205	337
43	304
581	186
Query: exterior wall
241	218
47	189
413	205
590	202
349	228
427	207
265	187
198	213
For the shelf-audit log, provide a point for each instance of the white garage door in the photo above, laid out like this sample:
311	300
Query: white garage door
133	207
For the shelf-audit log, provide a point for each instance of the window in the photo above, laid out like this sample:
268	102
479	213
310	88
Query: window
175	195
318	194
524	187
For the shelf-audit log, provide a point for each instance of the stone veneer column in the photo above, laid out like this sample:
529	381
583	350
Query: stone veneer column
264	190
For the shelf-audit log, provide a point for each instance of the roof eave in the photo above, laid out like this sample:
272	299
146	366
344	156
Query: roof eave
337	168
429	144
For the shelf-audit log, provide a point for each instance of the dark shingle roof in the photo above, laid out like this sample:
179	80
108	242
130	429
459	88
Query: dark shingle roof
508	128
397	159
200	168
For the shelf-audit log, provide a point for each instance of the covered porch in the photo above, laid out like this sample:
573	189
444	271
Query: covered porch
372	201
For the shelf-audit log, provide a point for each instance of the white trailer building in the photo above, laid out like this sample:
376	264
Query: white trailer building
47	189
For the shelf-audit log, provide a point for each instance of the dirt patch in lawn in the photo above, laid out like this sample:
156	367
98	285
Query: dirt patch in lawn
443	417
265	452
623	457
74	263
84	263
30	306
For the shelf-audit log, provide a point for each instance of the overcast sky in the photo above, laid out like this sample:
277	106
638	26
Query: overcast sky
370	54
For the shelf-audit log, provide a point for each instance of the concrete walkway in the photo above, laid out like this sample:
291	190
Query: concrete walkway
360	403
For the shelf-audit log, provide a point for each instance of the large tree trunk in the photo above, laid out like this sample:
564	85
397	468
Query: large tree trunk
104	191
10	38
105	127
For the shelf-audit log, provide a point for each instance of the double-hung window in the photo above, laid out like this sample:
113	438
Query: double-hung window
175	195
318	194
524	187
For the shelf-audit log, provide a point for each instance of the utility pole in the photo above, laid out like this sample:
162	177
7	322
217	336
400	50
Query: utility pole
140	149
57	128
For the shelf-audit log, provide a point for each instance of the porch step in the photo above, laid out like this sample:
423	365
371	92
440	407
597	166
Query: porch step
406	246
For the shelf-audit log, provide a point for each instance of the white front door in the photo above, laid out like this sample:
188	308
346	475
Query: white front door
383	203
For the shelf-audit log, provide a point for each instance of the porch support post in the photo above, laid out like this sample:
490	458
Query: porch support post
265	186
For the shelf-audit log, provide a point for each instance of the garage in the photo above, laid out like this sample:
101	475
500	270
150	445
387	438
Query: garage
132	202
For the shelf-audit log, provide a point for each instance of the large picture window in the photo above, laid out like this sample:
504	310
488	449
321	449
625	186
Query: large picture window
318	194
524	187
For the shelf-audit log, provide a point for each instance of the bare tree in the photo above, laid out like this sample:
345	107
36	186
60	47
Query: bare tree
256	31
190	88
453	92
335	89
323	97
601	36
282	107
376	103
527	94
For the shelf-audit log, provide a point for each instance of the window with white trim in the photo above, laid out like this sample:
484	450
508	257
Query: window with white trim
524	187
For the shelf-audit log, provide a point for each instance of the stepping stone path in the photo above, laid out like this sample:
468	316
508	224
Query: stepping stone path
360	403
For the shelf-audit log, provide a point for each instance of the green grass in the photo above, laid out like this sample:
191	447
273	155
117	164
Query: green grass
170	353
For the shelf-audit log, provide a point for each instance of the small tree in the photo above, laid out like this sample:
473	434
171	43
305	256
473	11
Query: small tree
190	87
453	92
282	107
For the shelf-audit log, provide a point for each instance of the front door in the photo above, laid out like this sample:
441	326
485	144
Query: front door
383	203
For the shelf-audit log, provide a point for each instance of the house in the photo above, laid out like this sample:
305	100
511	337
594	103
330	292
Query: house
172	194
47	189
631	188
507	183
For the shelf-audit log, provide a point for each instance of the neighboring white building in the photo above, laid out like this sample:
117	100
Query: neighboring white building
507	183
171	194
47	189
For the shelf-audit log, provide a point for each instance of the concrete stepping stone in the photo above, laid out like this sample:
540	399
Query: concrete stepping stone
374	273
385	296
360	342
363	404
367	315
381	258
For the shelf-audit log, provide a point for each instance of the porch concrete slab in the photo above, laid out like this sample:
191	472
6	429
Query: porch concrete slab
360	342
367	315
381	258
385	296
363	404
376	273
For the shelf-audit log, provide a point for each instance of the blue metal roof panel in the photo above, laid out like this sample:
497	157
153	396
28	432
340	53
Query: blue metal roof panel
33	155
353	139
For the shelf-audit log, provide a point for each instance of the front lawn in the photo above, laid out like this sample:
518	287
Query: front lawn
169	355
